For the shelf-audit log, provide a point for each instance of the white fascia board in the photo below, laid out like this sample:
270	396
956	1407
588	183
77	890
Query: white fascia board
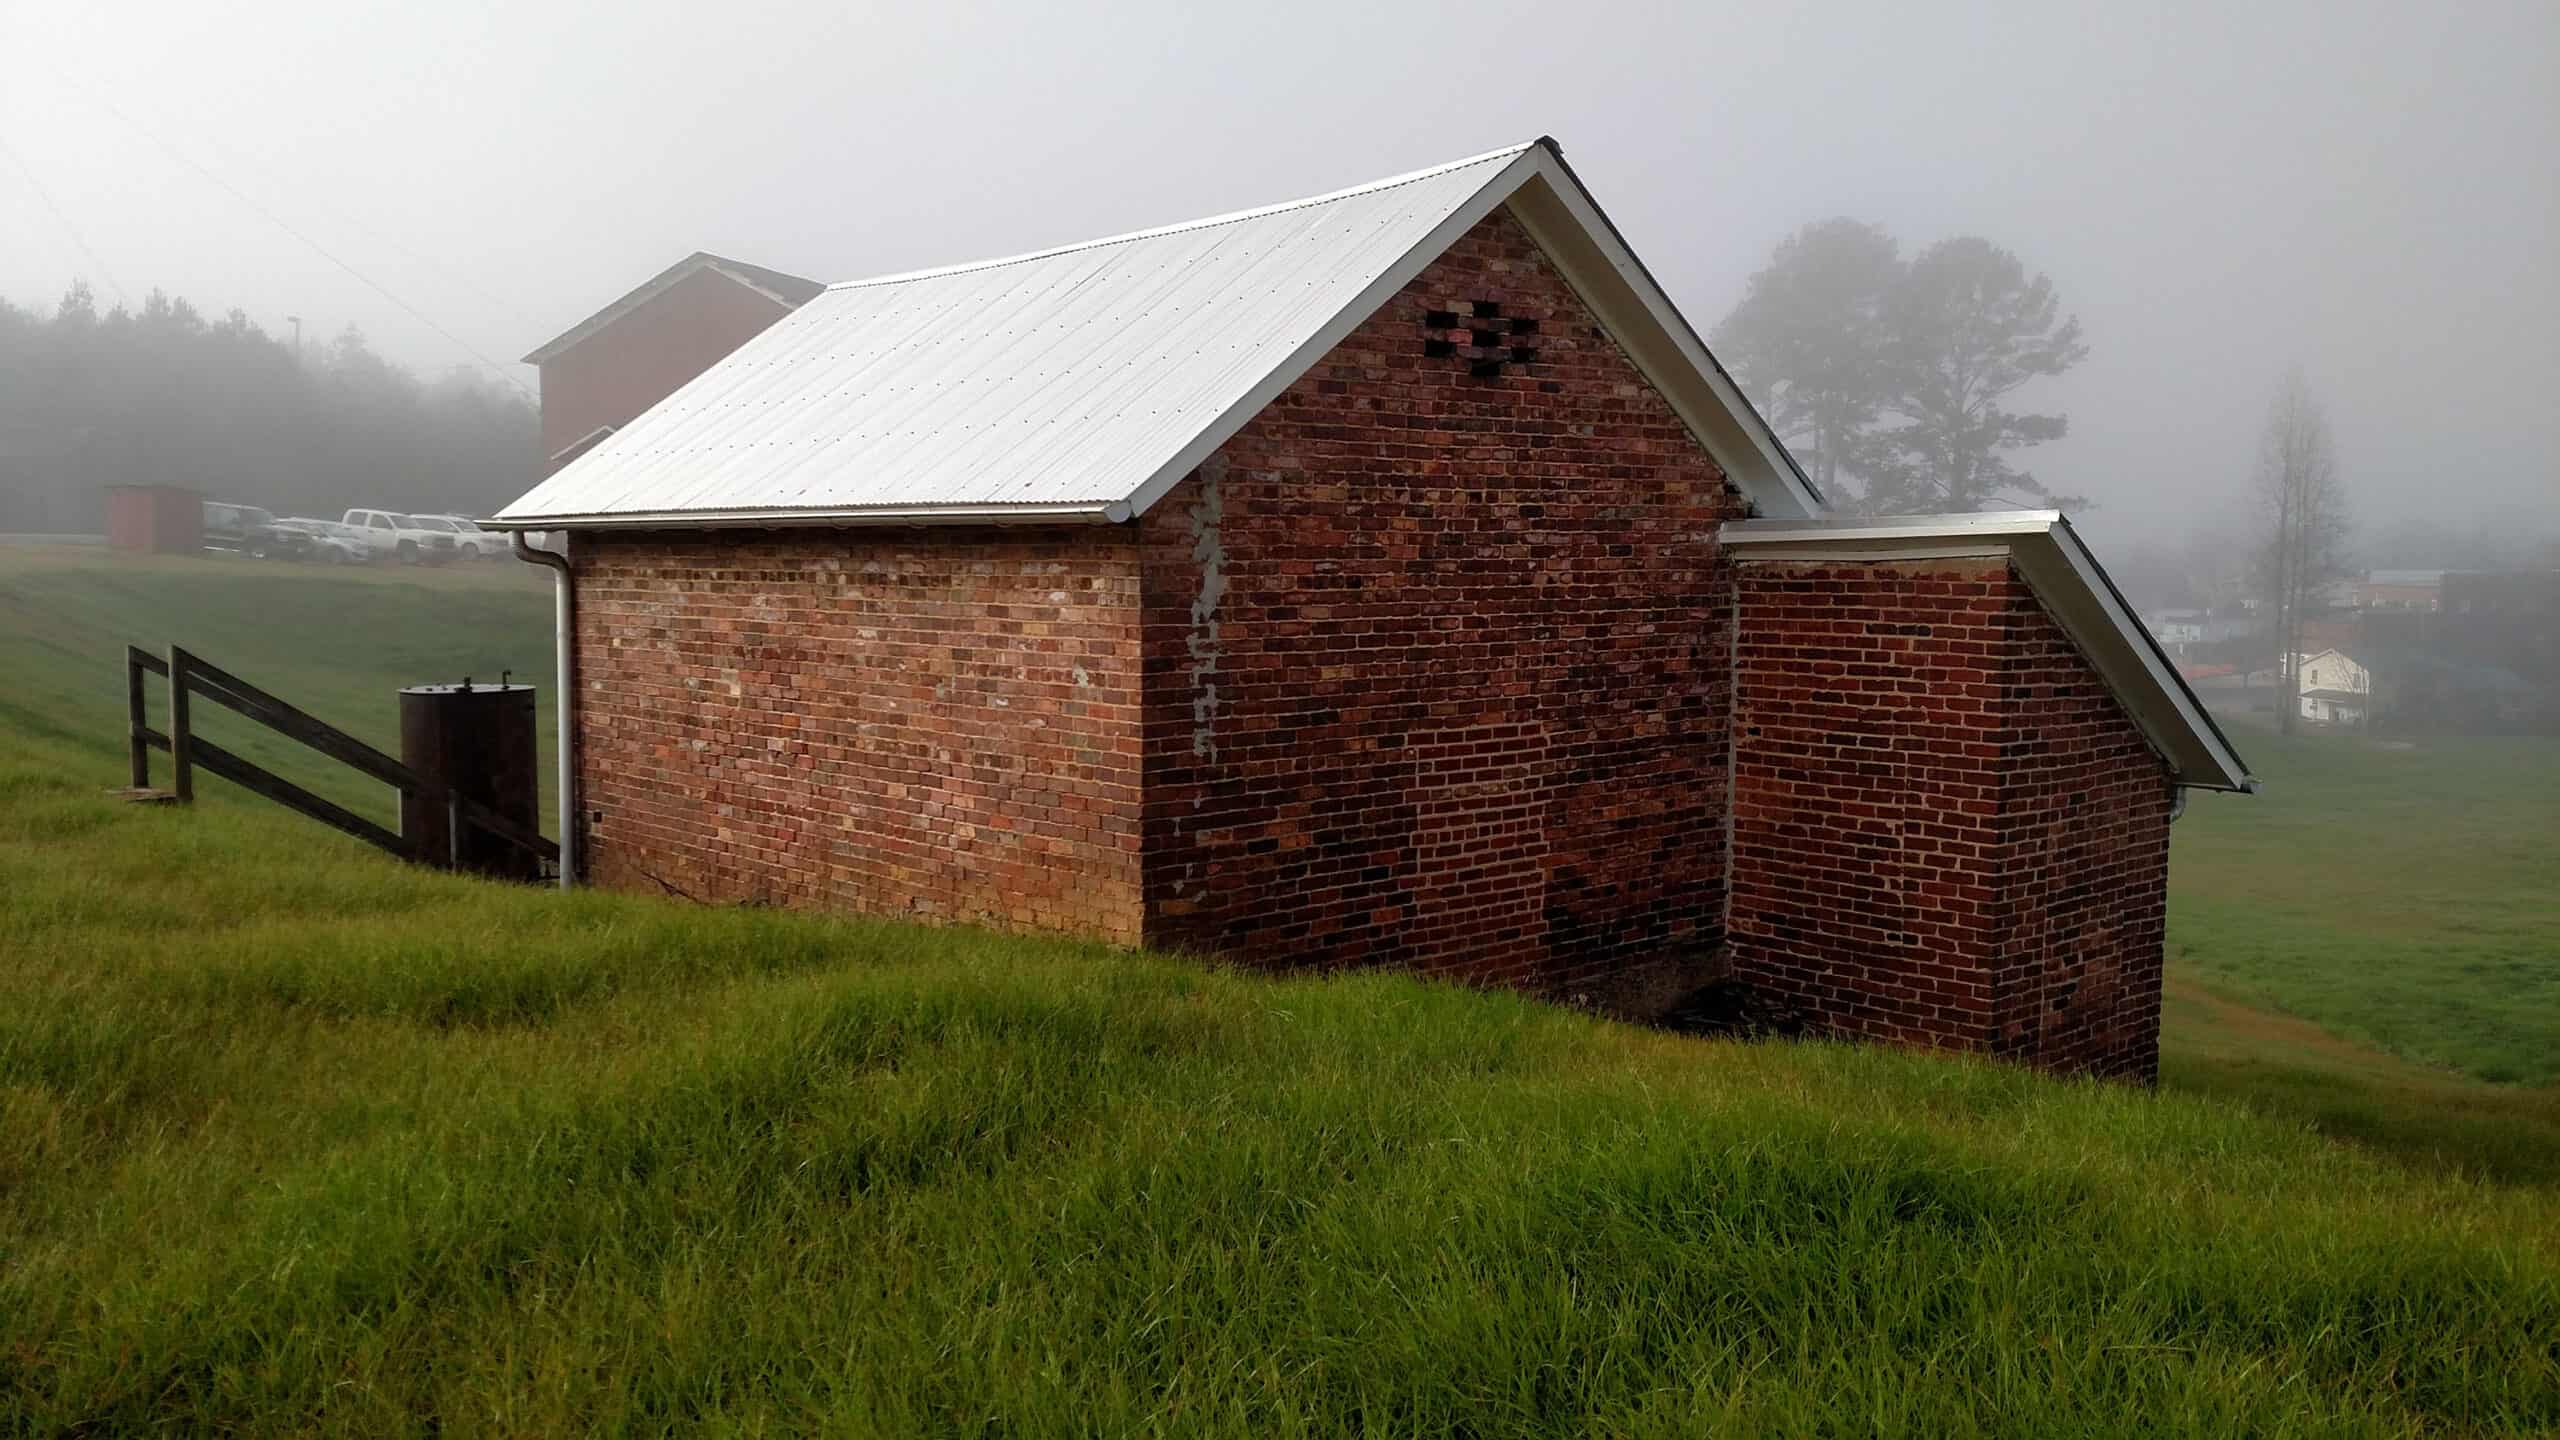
2074	590
1849	529
2199	723
1744	445
1334	331
1094	514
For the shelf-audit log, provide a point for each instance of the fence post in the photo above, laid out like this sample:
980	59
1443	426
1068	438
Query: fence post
182	773
137	720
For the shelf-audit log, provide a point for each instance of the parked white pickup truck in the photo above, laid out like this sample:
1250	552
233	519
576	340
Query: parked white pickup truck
468	538
394	536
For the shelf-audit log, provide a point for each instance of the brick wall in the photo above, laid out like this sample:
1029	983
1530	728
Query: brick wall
939	725
1946	831
2084	819
1436	662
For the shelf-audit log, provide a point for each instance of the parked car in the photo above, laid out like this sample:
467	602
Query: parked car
394	536
245	530
470	540
327	541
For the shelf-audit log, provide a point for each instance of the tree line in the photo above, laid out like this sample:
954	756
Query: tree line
159	394
1892	379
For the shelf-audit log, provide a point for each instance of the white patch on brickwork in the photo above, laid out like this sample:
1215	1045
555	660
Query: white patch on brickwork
1209	551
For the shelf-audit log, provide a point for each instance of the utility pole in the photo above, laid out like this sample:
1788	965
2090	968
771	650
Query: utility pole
296	322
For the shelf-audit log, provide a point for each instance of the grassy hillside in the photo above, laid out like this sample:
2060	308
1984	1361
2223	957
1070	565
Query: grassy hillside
2259	914
2403	895
295	1138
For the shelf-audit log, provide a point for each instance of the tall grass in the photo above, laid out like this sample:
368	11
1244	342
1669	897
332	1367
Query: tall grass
294	1139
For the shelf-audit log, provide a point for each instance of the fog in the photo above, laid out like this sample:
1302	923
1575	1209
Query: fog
2369	192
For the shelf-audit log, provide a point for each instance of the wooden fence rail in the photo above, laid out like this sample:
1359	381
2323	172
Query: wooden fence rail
192	675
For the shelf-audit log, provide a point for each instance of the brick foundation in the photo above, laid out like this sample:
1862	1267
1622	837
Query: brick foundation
1946	831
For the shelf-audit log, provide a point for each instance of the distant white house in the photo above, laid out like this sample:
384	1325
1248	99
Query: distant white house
2177	627
2335	689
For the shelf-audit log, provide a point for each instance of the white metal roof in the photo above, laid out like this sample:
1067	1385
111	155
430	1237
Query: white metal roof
2076	593
1081	383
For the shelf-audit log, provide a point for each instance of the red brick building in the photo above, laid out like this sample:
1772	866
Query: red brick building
600	373
1365	580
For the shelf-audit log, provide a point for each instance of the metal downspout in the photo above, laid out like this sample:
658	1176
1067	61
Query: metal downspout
564	605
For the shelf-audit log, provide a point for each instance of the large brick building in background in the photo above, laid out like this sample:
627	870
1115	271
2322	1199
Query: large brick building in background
601	373
1367	580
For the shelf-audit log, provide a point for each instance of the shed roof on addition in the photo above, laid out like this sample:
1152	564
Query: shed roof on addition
2076	593
1081	383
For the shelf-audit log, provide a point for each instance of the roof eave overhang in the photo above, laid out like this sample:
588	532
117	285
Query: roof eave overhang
1095	513
2074	589
1558	211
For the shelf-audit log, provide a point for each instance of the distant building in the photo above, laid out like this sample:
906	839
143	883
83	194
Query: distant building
2178	627
155	519
2335	689
2507	621
599	374
2188	634
2400	590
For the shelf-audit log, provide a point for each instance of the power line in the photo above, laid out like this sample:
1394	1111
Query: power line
236	193
64	220
238	162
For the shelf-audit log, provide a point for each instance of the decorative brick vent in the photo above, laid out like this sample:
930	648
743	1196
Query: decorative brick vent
1487	339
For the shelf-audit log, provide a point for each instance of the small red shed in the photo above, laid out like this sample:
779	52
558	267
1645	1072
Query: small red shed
155	519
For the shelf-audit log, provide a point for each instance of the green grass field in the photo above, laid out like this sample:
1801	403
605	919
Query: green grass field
337	642
2405	896
295	1138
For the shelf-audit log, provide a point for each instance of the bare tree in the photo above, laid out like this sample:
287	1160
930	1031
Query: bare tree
2305	510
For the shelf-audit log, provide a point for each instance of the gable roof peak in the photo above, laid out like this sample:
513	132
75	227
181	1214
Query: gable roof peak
1082	382
782	288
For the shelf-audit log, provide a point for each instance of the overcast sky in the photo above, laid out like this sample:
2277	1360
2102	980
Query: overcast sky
2371	191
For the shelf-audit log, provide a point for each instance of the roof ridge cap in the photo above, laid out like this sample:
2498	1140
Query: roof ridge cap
1233	217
